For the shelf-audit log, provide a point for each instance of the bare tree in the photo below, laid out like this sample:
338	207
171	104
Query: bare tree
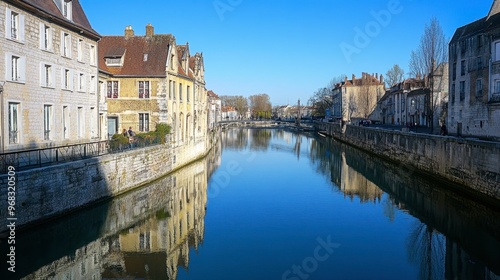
260	105
240	103
322	98
351	106
394	75
425	60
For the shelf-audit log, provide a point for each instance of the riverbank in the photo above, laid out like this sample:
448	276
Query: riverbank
473	165
45	193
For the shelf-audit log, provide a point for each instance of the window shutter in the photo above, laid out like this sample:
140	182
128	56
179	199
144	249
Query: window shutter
42	75
8	67
71	80
61	46
8	24
22	69
42	36
21	27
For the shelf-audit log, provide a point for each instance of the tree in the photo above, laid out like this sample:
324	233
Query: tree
425	60
394	75
260	104
322	98
240	103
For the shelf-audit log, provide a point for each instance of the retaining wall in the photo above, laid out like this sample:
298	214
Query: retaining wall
473	164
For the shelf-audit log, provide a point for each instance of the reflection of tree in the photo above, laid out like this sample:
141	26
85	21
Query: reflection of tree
261	138
426	247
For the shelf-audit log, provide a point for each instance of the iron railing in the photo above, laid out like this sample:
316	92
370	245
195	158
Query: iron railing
27	159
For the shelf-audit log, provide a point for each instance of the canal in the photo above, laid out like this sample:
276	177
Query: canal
272	204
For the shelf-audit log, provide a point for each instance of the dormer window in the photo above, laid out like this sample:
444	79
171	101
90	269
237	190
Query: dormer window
114	61
66	8
114	57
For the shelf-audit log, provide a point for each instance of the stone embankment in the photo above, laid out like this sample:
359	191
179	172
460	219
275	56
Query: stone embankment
472	165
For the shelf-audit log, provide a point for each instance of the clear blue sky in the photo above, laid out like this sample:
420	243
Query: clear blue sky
287	49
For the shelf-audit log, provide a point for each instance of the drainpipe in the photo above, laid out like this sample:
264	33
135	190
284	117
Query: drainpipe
2	135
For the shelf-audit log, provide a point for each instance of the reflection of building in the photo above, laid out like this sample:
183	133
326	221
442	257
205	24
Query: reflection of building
147	233
353	183
48	75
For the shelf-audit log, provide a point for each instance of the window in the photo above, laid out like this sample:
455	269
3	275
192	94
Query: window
144	89
81	82
65	44
13	123
80	50
452	93
47	122
79	121
14	25
65	122
173	92
479	87
92	84
47	75
497	86
479	41
479	61
180	91
188	93
170	89
462	68
463	46
93	124
462	91
67	79
67	9
497	51
15	68
143	122
45	37
92	55
114	61
454	70
112	89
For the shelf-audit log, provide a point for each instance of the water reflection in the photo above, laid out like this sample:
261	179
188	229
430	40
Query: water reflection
152	232
147	233
454	237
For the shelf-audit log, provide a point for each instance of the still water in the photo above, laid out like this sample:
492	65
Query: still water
272	204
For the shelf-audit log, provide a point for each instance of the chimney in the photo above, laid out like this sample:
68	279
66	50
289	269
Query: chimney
353	78
381	79
150	30
129	32
376	76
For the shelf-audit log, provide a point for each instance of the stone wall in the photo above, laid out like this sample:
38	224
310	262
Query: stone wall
472	164
50	191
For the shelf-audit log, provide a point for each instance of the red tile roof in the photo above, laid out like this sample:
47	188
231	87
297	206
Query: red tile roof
134	49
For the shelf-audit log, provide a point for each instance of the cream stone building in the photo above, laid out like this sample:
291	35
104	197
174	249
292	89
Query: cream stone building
49	76
358	97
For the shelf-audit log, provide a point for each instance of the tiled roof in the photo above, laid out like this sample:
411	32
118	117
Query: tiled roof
134	50
212	94
47	8
476	27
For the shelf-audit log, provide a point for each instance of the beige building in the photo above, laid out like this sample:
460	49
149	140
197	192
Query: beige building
357	98
187	97
49	76
133	79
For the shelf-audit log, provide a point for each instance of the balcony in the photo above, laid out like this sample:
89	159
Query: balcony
495	98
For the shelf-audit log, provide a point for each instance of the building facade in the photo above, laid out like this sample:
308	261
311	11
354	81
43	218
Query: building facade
358	97
132	79
214	109
474	78
49	77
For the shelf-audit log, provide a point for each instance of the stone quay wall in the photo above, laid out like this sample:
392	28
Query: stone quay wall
55	190
472	165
